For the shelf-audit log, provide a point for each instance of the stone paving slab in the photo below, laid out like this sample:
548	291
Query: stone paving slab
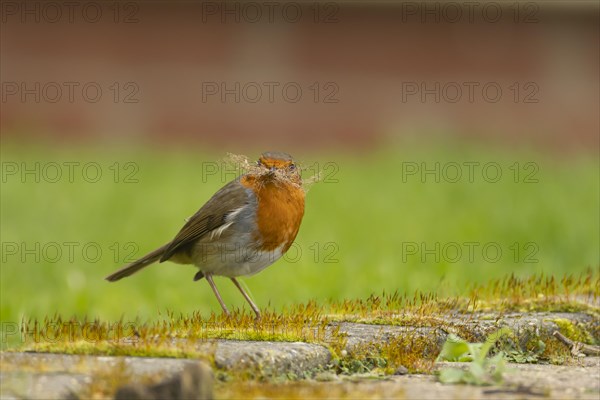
359	334
43	375
522	323
54	376
479	325
41	385
271	357
39	375
522	382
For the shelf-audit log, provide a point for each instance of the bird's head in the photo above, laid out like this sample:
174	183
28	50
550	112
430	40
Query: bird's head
279	166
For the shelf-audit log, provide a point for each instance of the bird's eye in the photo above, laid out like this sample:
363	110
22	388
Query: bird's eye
292	167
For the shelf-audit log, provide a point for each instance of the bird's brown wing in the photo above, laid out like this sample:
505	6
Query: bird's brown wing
211	216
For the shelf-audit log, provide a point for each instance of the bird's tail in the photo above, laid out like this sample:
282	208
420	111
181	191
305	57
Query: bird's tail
135	266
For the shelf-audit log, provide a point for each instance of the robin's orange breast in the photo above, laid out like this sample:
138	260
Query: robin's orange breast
280	210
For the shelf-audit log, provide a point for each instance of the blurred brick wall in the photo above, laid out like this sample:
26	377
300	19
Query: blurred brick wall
170	69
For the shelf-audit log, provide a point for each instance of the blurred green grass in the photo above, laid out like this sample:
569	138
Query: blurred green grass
364	217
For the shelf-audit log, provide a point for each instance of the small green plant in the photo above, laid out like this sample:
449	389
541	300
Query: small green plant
481	370
528	356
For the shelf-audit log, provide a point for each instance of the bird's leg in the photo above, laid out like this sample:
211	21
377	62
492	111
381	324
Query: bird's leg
209	278
254	308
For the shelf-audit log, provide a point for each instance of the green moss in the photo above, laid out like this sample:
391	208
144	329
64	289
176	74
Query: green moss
573	331
176	335
108	349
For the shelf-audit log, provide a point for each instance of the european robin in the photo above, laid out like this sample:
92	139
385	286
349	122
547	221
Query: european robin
244	227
